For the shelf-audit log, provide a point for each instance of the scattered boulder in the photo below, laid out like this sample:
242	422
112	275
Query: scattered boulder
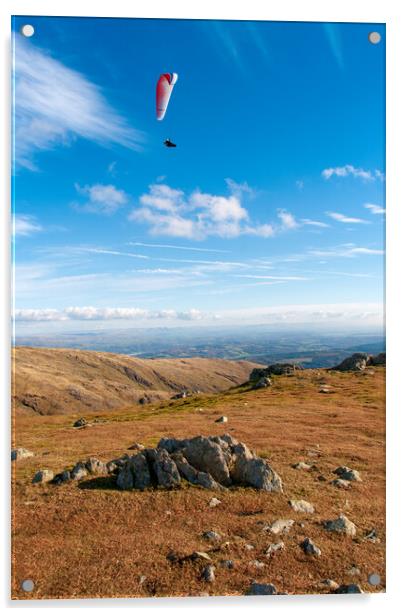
347	589
341	525
80	423
262	383
96	467
330	584
222	419
348	474
302	466
257	564
273	548
163	467
341	483
79	471
324	390
62	477
211	535
208	574
200	556
134	473
309	547
253	471
356	363
20	454
214	502
279	526
301	506
43	476
226	564
372	536
261	589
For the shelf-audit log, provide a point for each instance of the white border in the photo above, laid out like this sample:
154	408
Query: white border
379	11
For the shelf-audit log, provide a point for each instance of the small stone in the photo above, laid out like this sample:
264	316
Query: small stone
301	466
273	548
347	589
226	564
80	423
257	564
249	547
20	454
43	476
348	474
324	390
261	589
79	471
211	535
330	584
142	579
301	506
208	574
341	483
214	502
372	536
279	526
341	525
62	477
354	571
310	548
222	419
200	556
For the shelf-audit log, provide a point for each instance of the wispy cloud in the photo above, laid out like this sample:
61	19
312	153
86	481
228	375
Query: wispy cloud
55	104
345	250
287	219
101	198
314	223
178	247
346	219
333	36
350	170
24	225
374	209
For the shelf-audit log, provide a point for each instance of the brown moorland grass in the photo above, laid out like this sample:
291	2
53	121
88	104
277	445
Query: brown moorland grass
92	540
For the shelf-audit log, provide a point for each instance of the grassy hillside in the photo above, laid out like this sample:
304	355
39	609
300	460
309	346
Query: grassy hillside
53	381
91	540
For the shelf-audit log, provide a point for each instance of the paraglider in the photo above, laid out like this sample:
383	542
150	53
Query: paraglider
169	144
164	89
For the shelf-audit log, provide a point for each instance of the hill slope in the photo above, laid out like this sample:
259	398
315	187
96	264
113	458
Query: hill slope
63	381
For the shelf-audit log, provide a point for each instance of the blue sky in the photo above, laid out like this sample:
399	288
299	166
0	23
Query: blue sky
270	210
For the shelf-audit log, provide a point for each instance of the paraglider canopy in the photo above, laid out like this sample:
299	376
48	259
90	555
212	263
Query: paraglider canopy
164	89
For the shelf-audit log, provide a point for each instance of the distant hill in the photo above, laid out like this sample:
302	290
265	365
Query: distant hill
63	381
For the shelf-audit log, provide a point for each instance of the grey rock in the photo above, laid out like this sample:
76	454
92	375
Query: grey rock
214	502
347	589
341	525
43	476
135	473
163	467
378	360
372	536
20	454
279	527
62	477
301	506
309	547
200	556
356	363
222	419
273	548
79	471
96	467
257	564
207	456
341	483
274	369
348	474
253	471
208	574
262	383
190	474
330	584
211	535
324	390
302	466
80	422
226	564
261	589
249	547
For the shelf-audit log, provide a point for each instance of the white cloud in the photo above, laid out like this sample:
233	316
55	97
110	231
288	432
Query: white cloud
314	223
347	170
24	225
346	219
170	212
176	247
91	313
346	250
237	188
55	104
288	220
102	198
374	209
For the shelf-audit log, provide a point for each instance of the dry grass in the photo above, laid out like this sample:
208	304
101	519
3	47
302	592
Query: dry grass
91	540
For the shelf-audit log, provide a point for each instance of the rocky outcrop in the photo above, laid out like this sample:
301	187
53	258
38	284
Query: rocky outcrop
20	454
359	362
210	462
273	369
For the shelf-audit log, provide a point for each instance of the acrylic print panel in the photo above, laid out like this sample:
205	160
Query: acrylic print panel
198	361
